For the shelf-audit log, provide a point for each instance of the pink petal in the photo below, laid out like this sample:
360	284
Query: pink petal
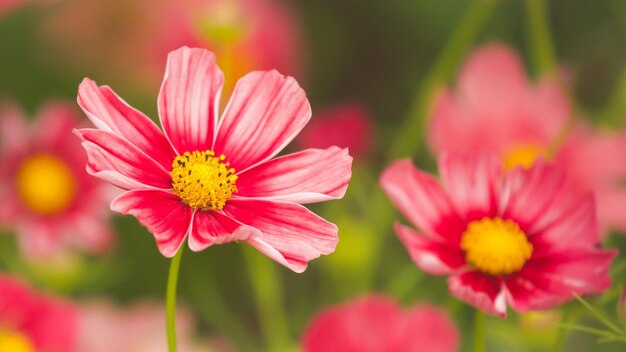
313	175
14	129
471	183
39	239
576	227
493	82
430	326
290	233
266	111
421	199
479	290
109	112
530	196
54	122
433	257
108	152
189	98
212	227
162	213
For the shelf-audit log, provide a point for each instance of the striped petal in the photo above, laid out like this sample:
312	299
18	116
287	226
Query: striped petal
212	227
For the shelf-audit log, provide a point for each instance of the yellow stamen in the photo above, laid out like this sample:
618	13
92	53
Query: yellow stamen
495	246
45	184
14	341
203	180
523	155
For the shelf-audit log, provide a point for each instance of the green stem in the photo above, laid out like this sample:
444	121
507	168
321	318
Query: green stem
479	331
540	40
268	291
410	136
170	301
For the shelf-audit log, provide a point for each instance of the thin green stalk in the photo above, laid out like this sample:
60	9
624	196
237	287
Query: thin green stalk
479	331
410	136
170	300
604	320
268	293
540	39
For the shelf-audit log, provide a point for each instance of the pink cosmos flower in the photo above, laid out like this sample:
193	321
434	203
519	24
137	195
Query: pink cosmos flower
347	125
31	322
521	237
139	328
377	323
495	108
124	39
45	194
215	180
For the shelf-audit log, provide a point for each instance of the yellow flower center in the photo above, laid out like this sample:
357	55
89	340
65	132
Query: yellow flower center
523	155
495	246
45	184
14	341
203	180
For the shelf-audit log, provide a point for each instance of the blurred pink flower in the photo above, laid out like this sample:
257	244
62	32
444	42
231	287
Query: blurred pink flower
31	322
495	108
376	323
140	328
45	194
347	125
216	179
521	237
127	40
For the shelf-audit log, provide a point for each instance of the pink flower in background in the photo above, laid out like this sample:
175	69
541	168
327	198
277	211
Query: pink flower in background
32	322
45	194
347	126
140	328
124	39
377	324
495	108
215	180
521	237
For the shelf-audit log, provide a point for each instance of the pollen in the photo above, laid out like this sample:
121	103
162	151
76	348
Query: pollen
203	180
45	184
15	341
523	155
495	246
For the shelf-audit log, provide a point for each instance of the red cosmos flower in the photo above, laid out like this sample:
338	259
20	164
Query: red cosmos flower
30	322
348	125
376	323
496	109
45	193
520	237
216	180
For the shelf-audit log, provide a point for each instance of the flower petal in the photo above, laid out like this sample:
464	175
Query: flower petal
162	213
529	196
471	182
421	199
312	175
290	234
212	227
109	112
480	290
189	99
266	111
108	152
493	82
14	130
435	258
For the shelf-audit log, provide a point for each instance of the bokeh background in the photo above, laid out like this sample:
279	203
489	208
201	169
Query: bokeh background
385	56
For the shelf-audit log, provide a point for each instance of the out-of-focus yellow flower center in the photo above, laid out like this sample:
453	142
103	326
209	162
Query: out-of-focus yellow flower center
495	246
523	155
45	184
203	180
14	341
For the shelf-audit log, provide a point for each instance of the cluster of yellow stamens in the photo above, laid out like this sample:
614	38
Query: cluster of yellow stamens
45	184
203	180
15	341
495	246
523	155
